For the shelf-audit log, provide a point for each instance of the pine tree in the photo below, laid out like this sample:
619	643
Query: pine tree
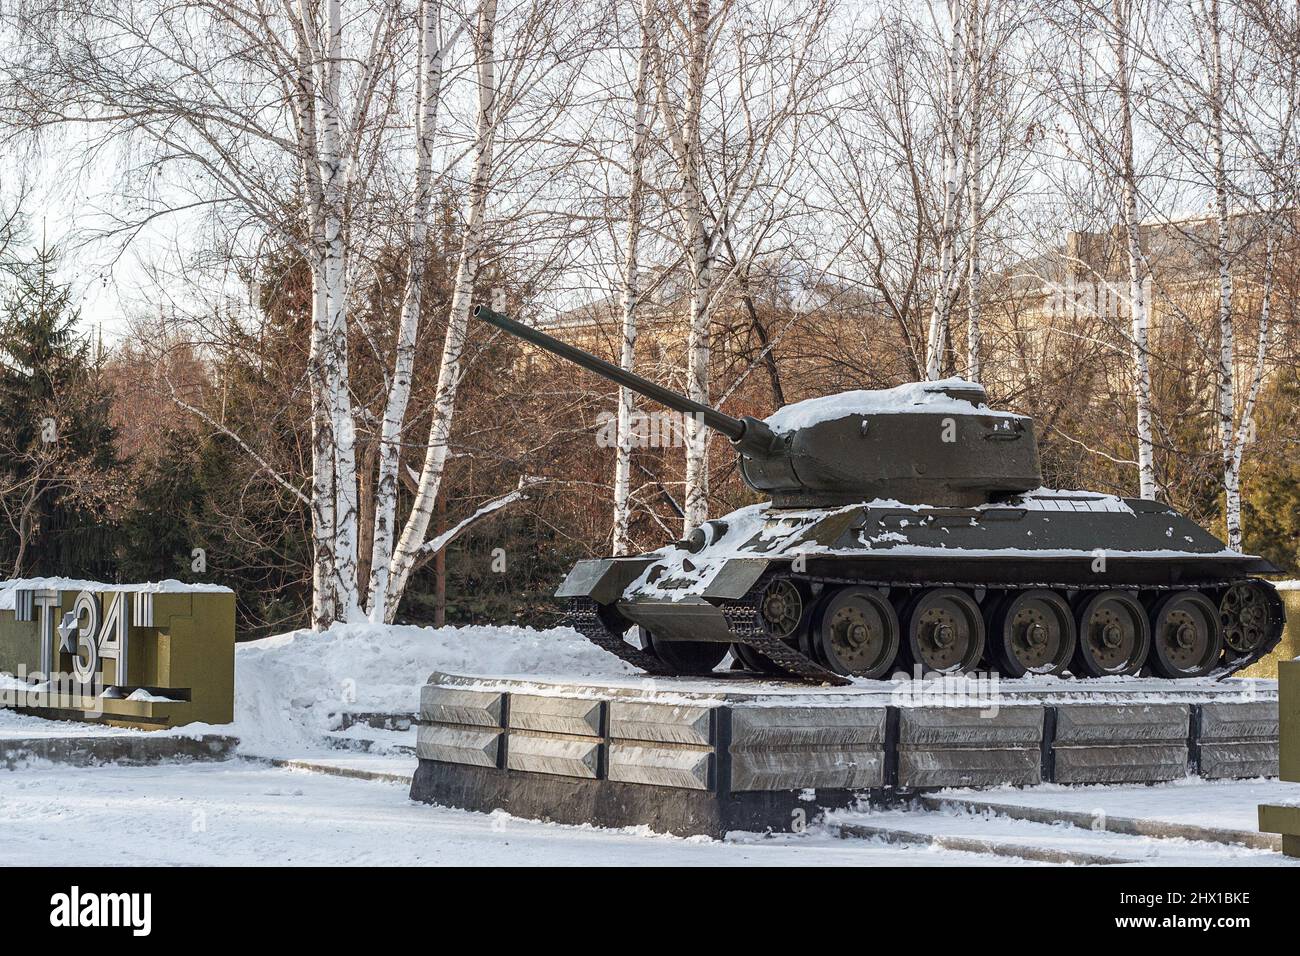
59	470
1271	486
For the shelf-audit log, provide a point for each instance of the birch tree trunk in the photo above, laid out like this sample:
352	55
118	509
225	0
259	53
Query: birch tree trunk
399	392
336	348
974	278
1226	371
941	311
1247	424
435	458
1120	39
324	556
701	269
631	282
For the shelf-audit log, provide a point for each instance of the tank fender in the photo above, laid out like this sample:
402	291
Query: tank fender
735	578
602	579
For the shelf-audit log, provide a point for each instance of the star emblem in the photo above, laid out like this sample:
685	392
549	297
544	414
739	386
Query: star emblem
68	633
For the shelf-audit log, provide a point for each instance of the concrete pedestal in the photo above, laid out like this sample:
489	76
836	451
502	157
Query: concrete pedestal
695	756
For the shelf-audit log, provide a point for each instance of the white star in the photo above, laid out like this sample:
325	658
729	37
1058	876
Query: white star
68	633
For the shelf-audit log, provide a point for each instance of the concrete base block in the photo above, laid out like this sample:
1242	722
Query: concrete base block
1238	760
1078	724
661	766
544	753
775	726
1149	763
969	767
661	723
478	747
1011	727
798	769
454	705
1239	720
556	715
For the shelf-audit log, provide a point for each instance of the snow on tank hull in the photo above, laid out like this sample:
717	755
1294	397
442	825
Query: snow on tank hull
1046	582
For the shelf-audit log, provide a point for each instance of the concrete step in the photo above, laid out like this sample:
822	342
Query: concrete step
84	750
973	844
1130	826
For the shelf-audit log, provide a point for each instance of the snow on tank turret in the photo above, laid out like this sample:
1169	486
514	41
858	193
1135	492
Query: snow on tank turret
908	526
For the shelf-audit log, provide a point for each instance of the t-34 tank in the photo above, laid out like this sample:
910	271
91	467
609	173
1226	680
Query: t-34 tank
906	527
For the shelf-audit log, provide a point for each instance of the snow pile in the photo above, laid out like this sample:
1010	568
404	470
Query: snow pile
289	688
914	397
169	586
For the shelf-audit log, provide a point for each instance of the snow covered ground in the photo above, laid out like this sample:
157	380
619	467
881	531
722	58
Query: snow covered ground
243	812
292	689
289	689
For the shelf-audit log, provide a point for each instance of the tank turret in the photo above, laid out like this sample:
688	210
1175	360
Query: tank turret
934	443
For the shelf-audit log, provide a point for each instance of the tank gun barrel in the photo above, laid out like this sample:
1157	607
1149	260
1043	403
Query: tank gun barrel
749	435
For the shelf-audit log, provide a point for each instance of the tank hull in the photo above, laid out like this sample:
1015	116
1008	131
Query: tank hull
1070	544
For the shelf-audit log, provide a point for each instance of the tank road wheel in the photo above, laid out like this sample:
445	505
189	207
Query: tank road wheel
685	657
945	631
855	632
1245	617
1186	638
1114	635
1033	632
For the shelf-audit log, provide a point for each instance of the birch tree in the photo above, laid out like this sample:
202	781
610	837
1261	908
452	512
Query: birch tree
281	119
1119	36
631	294
736	129
1096	89
433	48
955	56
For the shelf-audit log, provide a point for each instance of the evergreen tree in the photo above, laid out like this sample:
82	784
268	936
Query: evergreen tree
59	471
1271	485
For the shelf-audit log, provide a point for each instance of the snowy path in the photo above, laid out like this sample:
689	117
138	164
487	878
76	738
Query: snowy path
1231	805
244	813
241	813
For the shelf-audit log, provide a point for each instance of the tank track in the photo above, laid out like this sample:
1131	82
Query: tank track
584	619
745	624
747	628
1226	669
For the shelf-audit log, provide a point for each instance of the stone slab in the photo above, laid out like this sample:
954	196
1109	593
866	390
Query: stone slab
454	705
477	747
1239	720
684	767
660	723
1118	723
1239	760
1017	726
969	767
799	769
545	753
776	726
558	715
1131	763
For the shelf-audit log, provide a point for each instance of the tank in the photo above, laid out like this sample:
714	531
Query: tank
907	529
